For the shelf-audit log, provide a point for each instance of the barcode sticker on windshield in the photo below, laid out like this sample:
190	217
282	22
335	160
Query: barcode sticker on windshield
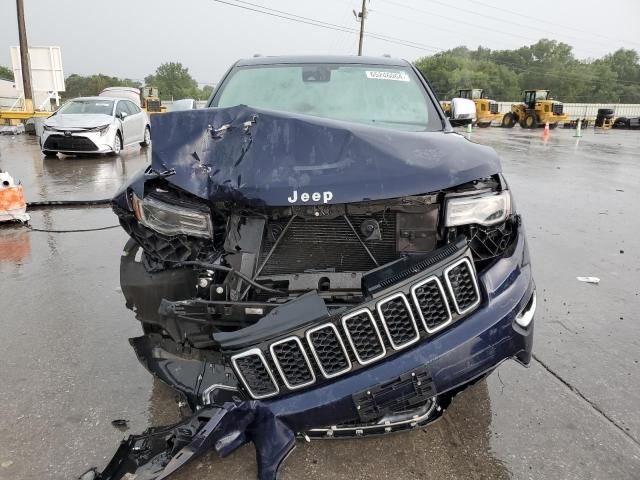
398	76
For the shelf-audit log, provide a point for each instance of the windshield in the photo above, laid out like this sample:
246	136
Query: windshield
390	97
541	94
87	106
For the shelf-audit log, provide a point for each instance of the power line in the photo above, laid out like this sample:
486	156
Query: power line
409	43
458	21
523	25
319	23
551	23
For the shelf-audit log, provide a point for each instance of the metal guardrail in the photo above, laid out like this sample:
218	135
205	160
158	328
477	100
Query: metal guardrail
588	110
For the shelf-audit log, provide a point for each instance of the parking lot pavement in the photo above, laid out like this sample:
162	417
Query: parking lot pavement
68	371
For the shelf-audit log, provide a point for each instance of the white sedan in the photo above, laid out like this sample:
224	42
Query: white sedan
95	125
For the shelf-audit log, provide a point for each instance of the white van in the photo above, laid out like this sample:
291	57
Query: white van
130	93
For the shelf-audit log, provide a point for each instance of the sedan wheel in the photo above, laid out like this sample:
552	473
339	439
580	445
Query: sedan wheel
117	146
147	138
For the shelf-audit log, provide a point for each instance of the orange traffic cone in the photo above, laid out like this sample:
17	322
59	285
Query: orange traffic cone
12	203
546	129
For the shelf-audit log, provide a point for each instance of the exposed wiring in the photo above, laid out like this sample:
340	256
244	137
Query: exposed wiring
75	230
64	203
222	268
68	203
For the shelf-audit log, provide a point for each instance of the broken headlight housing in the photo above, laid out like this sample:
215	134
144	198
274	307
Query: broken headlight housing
170	219
480	209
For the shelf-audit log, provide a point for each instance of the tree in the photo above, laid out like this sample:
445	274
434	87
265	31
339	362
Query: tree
6	73
174	82
547	64
206	92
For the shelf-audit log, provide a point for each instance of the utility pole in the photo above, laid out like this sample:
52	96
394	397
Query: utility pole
363	14
24	58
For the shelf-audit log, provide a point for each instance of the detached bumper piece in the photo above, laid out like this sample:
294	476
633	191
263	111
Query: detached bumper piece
413	300
160	452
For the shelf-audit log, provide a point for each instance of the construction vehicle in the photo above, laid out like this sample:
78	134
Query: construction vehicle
151	100
486	109
536	110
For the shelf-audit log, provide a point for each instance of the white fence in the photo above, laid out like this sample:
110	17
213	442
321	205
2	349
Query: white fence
588	110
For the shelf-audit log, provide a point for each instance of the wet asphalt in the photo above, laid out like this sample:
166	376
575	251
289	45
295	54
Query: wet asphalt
67	371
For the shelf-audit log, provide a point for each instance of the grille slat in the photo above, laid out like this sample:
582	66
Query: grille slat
431	303
328	350
292	363
462	285
364	336
255	373
398	321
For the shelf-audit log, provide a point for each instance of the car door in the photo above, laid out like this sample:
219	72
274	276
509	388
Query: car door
122	112
137	121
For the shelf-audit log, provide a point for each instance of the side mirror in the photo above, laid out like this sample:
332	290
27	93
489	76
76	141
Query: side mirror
122	115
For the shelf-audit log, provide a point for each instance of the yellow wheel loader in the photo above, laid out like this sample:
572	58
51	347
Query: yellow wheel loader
151	100
486	109
536	110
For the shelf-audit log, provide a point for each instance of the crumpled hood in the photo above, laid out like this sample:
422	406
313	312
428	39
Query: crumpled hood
81	120
272	158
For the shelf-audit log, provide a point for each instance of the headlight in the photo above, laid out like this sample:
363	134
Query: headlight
46	127
103	129
486	209
170	219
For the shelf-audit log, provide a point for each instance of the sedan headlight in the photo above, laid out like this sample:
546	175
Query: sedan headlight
170	219
46	127
486	209
103	129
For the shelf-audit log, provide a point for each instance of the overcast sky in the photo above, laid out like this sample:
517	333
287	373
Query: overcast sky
130	38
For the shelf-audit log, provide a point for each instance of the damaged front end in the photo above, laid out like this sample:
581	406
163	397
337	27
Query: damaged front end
300	276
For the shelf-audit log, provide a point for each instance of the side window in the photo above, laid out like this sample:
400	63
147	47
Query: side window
122	107
133	108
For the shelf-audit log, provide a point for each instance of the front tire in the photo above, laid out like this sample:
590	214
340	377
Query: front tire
49	154
508	121
147	138
117	146
529	121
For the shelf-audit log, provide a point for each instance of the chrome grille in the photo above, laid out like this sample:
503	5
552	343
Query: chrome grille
292	363
255	374
398	321
364	336
431	302
328	350
430	298
462	286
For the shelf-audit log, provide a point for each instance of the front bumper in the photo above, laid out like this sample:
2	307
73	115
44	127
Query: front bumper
78	142
465	351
